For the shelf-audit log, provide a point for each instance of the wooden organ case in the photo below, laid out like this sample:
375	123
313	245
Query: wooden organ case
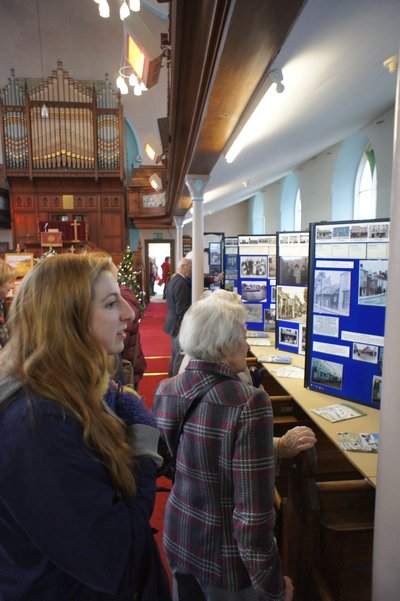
62	141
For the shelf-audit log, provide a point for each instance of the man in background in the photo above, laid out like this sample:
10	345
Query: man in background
178	295
166	275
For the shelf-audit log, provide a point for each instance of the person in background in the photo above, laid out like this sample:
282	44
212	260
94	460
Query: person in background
178	302
153	274
133	351
78	457
7	278
166	274
219	519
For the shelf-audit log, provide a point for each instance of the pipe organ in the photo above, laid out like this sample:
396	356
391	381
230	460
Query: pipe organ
63	159
81	134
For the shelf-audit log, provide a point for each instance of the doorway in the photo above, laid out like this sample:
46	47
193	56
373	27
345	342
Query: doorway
158	250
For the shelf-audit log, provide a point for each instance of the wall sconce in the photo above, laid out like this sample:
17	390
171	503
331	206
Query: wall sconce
242	136
155	182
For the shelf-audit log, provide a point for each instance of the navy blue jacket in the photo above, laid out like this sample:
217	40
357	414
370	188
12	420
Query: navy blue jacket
64	532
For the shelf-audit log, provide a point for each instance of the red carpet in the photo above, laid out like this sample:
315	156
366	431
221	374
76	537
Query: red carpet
156	347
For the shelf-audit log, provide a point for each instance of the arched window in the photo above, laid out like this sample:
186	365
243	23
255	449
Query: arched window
365	187
297	211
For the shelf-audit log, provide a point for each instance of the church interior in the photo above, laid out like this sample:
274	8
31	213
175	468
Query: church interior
112	111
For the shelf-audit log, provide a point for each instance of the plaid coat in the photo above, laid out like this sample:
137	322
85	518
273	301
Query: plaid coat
220	517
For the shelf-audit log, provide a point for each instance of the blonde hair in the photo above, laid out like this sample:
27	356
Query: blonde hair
52	351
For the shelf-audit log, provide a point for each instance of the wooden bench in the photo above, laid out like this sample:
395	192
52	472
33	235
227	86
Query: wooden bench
327	534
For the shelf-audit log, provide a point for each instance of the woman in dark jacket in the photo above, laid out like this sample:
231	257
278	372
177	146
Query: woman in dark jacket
132	348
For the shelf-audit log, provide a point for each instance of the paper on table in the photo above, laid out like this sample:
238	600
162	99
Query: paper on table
289	372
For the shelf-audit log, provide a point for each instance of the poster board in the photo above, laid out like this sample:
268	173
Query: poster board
257	279
231	263
292	250
346	309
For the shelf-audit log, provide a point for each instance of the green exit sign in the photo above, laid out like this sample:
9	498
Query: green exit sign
157	236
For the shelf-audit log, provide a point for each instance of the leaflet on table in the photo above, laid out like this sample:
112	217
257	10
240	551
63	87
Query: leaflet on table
338	413
365	442
256	334
260	342
274	359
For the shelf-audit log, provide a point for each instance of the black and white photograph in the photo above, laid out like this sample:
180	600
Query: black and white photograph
254	291
269	319
254	312
215	253
254	266
365	352
324	232
376	393
289	336
273	293
327	373
332	292
292	303
303	338
378	231
293	271
304	238
372	282
272	267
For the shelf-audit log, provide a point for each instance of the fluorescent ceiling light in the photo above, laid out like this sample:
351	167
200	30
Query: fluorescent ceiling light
262	112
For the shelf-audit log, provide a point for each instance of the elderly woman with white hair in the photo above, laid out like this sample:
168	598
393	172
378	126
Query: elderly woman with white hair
219	519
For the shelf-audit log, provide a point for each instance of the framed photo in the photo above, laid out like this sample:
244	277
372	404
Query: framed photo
22	262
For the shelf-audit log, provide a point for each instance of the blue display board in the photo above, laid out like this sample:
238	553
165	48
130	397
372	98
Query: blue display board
257	280
292	249
346	309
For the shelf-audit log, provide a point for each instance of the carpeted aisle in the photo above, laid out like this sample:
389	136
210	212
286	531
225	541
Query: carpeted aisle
156	347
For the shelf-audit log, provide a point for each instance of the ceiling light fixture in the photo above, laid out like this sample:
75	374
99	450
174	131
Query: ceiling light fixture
391	63
126	75
124	11
246	133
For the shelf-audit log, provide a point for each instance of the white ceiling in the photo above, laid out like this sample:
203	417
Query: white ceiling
332	66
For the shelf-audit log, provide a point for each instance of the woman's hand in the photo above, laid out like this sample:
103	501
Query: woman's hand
300	438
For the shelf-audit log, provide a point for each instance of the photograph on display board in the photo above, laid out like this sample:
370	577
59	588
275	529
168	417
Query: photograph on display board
327	373
341	232
231	270
230	285
376	389
254	313
378	231
292	303
303	338
332	292
215	253
359	232
372	286
253	266
365	352
269	319
254	291
273	293
289	336
272	267
293	271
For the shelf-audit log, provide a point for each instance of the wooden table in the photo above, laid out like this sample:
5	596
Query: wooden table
365	463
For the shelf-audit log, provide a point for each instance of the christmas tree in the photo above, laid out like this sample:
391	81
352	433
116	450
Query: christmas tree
130	275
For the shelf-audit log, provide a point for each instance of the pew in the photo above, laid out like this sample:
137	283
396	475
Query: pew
327	534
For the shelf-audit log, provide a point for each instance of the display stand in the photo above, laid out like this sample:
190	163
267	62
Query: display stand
346	309
231	263
292	249
257	279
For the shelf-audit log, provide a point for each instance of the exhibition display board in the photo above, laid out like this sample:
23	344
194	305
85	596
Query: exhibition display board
292	250
346	309
231	263
257	280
